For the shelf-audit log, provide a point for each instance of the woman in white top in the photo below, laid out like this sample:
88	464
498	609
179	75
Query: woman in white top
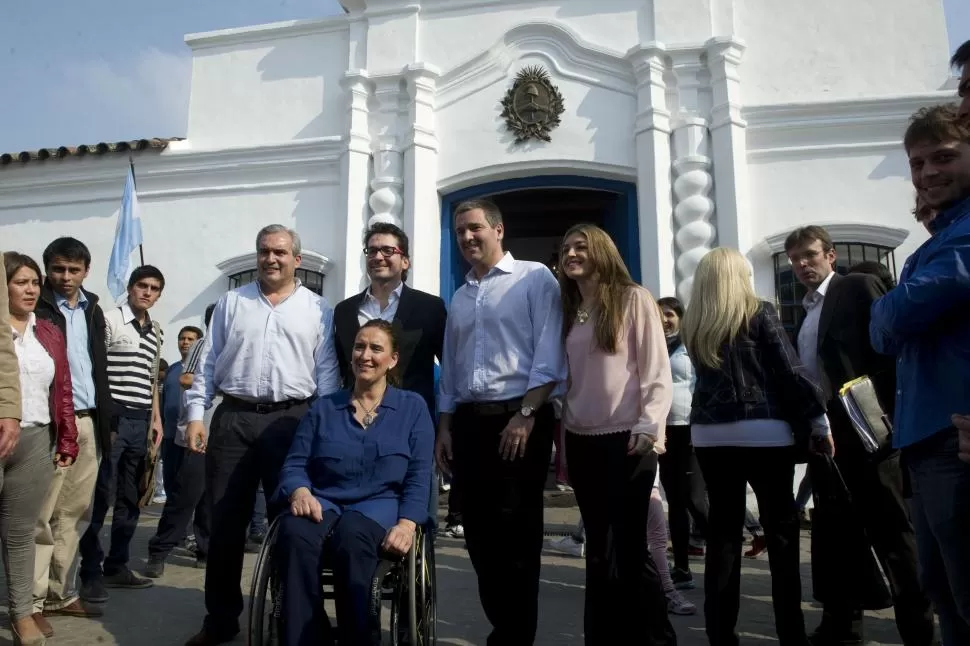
47	423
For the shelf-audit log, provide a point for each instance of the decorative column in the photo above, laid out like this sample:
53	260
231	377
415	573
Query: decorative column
652	140
422	211
385	200
692	167
355	168
729	144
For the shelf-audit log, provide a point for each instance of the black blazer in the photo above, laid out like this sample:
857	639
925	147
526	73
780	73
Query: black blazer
420	325
845	352
47	309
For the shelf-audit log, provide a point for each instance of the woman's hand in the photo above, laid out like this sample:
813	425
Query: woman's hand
63	460
303	503
399	540
639	444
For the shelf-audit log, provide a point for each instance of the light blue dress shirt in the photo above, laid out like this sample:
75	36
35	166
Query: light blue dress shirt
504	335
78	351
260	353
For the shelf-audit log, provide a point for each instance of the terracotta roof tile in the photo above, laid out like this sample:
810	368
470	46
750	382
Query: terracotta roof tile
43	154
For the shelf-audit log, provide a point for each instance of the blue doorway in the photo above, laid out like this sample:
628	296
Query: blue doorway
537	212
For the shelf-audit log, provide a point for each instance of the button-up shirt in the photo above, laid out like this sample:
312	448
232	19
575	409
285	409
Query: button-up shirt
78	350
261	353
370	307
808	334
503	336
36	376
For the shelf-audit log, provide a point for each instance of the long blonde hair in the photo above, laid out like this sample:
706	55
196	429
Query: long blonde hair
613	281
722	303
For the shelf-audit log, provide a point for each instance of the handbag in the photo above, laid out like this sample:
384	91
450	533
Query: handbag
869	419
146	484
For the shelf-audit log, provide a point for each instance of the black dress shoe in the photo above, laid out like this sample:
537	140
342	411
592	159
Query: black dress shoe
825	637
205	638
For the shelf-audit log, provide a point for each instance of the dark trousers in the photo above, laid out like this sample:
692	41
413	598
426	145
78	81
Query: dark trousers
350	545
683	483
118	479
245	449
625	602
502	514
185	500
169	470
876	487
454	516
770	471
941	514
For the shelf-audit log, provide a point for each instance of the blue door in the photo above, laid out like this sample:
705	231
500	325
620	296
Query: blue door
619	220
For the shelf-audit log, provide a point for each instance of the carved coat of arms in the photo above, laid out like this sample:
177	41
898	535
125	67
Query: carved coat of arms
532	106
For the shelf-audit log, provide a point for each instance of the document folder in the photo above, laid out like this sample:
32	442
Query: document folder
869	419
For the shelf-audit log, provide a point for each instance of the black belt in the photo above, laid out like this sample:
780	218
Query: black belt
492	408
262	408
87	412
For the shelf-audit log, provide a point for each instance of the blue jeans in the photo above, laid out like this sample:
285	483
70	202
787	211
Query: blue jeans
940	508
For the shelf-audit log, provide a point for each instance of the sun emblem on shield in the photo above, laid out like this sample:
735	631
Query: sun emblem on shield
532	106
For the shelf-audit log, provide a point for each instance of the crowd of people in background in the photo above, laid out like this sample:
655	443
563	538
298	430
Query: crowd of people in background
330	413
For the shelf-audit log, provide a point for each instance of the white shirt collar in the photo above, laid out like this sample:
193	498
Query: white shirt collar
817	295
29	331
506	265
395	295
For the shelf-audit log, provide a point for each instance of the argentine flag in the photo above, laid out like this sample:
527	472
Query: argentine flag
127	239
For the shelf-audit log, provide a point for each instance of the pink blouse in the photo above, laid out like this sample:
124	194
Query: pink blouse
628	390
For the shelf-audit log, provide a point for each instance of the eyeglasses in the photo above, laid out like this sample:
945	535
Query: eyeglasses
386	251
810	255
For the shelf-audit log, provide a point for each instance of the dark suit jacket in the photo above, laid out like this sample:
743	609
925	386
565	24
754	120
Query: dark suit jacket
420	325
845	352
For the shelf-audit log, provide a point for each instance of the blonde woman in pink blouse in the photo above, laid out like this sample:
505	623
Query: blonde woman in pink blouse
616	405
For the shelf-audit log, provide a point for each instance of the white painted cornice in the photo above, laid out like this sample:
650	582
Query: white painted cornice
180	171
261	33
846	233
869	125
541	167
310	260
565	52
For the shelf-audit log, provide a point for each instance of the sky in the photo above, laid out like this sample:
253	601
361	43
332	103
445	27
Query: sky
83	71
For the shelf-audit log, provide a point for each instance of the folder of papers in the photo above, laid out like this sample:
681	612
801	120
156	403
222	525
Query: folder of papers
870	421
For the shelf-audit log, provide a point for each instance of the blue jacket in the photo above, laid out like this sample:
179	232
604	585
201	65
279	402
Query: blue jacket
171	400
382	472
924	323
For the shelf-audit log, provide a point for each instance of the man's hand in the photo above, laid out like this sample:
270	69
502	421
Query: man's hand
399	540
303	503
962	422
158	432
515	437
185	380
63	460
639	444
823	445
9	436
195	437
442	450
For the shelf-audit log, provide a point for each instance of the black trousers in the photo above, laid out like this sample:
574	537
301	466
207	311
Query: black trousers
625	602
502	514
876	487
118	478
245	449
771	472
686	492
184	501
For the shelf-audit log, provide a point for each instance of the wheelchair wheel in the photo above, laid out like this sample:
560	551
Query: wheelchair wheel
264	595
413	605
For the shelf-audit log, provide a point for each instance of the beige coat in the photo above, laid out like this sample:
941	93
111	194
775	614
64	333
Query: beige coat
9	371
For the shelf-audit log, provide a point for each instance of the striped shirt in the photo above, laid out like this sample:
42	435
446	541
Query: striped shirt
131	354
191	363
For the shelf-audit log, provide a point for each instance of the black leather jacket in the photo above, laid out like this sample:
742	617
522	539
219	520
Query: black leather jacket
760	377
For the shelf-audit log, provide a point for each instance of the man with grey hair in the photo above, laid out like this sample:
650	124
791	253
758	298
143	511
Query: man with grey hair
269	351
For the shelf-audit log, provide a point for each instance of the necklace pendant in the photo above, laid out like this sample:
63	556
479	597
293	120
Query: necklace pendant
368	419
582	316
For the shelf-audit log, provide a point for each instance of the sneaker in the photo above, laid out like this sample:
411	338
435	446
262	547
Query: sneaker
804	521
254	542
758	545
678	605
94	592
567	545
695	551
201	562
456	530
159	499
126	579
562	486
683	579
155	568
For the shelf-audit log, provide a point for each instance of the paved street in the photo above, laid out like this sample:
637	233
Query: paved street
170	612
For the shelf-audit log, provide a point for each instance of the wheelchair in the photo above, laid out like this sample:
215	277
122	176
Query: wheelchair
405	588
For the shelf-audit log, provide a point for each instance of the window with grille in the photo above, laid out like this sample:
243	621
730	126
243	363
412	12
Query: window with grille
312	280
789	292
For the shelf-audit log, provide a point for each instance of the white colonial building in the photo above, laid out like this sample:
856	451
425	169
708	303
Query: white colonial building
685	124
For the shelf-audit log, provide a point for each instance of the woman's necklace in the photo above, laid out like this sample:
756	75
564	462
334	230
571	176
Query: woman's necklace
369	414
582	314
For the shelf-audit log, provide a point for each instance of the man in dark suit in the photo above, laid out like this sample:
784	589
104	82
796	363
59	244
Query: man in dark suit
833	343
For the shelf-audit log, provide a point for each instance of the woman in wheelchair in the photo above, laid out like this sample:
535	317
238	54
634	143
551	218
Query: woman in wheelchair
356	479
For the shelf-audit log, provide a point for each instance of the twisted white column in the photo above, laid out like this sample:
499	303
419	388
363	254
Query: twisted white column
693	214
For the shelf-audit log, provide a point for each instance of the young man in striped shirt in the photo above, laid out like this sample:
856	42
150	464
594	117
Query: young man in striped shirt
133	341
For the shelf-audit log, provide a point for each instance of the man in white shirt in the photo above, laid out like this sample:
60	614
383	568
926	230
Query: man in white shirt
269	351
503	358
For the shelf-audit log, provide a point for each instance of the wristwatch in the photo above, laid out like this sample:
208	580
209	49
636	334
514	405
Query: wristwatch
526	411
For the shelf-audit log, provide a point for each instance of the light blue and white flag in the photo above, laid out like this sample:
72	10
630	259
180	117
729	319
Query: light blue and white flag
127	239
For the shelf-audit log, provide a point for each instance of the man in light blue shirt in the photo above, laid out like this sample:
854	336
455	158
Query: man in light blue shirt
503	358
